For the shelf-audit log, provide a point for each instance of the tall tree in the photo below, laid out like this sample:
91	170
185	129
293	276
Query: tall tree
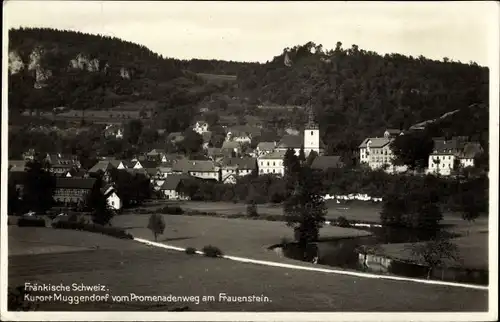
305	209
133	131
412	149
39	187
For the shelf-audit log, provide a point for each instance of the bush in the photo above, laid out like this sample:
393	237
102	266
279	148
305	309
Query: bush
156	225
17	302
252	210
343	222
190	250
94	228
171	210
212	251
31	222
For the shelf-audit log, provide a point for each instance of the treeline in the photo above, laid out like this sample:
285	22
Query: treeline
452	194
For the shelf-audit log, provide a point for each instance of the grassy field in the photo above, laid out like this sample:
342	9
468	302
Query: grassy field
237	237
126	267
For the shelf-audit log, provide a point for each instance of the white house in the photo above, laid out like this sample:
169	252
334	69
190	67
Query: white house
200	127
447	154
272	163
237	167
113	130
203	169
112	198
392	133
377	154
171	188
264	148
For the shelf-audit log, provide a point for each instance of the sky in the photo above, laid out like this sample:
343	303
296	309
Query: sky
258	31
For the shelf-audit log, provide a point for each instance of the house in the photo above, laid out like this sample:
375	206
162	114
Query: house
376	152
62	159
237	166
101	166
264	148
109	192
272	163
324	163
29	155
155	154
448	154
229	179
215	154
113	131
172	157
392	133
162	172
171	188
200	127
145	164
242	133
230	148
203	169
73	190
61	170
17	165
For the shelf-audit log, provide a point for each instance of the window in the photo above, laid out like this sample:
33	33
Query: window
312	133
274	163
268	163
273	170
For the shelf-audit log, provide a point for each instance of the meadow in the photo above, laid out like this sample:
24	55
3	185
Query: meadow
125	267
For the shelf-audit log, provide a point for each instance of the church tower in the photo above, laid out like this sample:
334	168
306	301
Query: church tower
311	134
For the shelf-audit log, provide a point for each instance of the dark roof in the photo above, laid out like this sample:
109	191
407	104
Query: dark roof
186	165
393	131
375	143
102	165
173	180
291	141
241	163
326	162
75	183
148	164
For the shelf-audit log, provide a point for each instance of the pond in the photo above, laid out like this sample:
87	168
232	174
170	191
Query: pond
344	253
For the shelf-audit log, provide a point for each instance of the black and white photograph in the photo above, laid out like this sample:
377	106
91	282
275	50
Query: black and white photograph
237	161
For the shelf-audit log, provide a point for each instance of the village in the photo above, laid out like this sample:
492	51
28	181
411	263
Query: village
233	160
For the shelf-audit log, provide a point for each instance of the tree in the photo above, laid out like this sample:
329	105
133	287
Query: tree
302	155
435	252
156	225
133	131
412	149
310	158
192	142
291	167
97	202
13	199
252	210
305	209
212	118
39	187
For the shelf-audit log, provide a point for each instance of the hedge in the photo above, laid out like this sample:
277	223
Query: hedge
31	222
94	228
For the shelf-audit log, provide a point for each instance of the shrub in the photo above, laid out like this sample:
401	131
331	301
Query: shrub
171	210
156	225
190	250
17	302
343	222
252	210
31	222
94	228
212	251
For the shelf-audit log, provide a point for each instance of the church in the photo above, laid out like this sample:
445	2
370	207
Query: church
310	139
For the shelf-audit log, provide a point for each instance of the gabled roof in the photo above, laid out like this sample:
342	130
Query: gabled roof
240	163
229	177
273	155
102	165
290	141
231	145
375	142
75	183
266	146
156	152
149	164
116	163
186	166
393	131
326	162
172	181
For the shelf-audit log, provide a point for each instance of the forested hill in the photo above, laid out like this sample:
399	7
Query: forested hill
50	68
355	93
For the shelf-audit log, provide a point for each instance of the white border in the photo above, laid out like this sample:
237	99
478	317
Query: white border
492	315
